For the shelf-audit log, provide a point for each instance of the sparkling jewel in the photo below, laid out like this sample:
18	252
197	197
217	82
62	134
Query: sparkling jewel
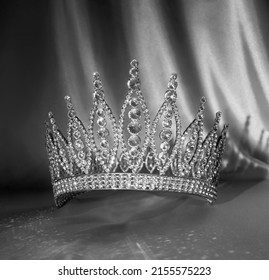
79	145
97	84
171	95
134	127
134	140
103	132
133	71
134	114
100	112
167	123
163	156
134	102
76	134
165	146
99	95
101	122
81	155
168	113
104	144
134	152
166	135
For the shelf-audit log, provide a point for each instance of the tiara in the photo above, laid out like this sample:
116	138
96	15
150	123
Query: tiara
134	153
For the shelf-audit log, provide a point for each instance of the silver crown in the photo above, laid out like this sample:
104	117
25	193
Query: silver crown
155	156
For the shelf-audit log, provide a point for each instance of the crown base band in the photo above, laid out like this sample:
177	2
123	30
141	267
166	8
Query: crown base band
66	189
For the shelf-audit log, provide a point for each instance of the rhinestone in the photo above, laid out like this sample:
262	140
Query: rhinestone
168	113
134	127
135	151
150	162
135	114
81	155
134	63
79	145
99	95
100	112
104	144
172	85
134	140
134	102
103	132
76	134
166	135
133	83
97	84
133	72
124	163
163	156
105	154
62	152
167	123
101	122
96	75
171	95
165	146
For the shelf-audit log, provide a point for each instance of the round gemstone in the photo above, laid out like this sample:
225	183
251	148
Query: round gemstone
135	114
134	140
168	113
81	155
62	152
101	122
103	132
76	134
134	127
134	102
132	83
191	146
96	76
172	84
79	145
134	63
167	123
104	144
171	95
166	135
97	84
163	156
100	112
99	95
134	152
165	146
105	155
133	71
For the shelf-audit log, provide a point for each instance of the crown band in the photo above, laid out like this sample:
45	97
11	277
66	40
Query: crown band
66	189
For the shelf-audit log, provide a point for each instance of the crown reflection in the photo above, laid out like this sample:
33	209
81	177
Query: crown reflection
134	153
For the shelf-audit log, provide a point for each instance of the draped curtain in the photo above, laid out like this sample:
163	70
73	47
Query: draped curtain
50	49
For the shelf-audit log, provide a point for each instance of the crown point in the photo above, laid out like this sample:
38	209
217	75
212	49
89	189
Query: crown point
50	114
134	63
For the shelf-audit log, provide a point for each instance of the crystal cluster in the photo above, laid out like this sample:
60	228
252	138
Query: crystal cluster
134	153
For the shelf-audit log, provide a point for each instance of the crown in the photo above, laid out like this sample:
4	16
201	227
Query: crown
134	153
